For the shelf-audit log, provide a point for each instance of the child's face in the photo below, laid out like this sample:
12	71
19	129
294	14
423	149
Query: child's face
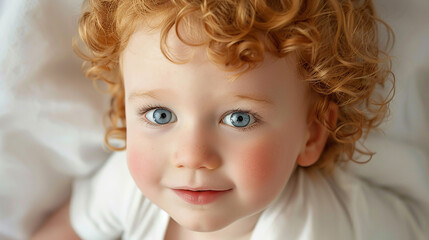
247	155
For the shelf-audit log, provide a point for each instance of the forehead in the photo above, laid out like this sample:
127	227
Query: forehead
144	66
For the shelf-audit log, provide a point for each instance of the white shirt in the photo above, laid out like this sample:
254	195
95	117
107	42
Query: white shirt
110	206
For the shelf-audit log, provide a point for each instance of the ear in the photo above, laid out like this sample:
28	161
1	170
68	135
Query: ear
316	138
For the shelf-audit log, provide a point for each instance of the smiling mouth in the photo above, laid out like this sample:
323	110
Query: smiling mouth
199	196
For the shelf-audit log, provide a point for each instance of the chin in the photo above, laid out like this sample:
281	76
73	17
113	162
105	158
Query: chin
202	224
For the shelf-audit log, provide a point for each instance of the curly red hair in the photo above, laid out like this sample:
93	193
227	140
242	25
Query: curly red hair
336	43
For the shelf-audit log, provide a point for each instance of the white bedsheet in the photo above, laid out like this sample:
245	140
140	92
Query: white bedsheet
50	116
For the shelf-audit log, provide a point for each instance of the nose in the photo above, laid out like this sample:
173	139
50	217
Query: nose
196	150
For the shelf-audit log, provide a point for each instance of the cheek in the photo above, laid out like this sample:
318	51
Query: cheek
264	166
142	165
254	169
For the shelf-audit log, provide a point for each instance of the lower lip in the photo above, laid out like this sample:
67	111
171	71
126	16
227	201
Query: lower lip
199	198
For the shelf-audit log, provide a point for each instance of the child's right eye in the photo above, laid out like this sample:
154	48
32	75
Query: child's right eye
160	116
157	115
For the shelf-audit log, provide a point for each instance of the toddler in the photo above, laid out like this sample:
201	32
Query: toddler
235	116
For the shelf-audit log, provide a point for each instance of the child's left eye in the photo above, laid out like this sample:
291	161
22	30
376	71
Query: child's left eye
241	119
238	119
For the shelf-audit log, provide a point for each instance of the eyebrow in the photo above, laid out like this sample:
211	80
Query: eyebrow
255	99
155	94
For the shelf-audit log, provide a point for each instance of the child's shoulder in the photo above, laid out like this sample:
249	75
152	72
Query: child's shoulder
111	184
310	207
339	206
108	204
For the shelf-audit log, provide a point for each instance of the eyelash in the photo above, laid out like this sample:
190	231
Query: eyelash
143	110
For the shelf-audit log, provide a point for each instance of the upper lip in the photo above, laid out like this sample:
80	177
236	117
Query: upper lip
201	189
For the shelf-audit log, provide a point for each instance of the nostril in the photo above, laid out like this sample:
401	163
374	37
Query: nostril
195	157
208	166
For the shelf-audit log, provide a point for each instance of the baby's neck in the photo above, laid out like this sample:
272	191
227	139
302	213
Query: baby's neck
240	230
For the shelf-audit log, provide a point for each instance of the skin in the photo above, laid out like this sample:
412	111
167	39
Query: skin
58	224
198	148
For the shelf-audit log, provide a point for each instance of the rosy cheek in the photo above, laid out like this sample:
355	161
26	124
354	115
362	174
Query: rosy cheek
141	165
255	169
264	167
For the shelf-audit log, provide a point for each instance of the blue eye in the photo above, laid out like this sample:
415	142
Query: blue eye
238	119
160	116
242	120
